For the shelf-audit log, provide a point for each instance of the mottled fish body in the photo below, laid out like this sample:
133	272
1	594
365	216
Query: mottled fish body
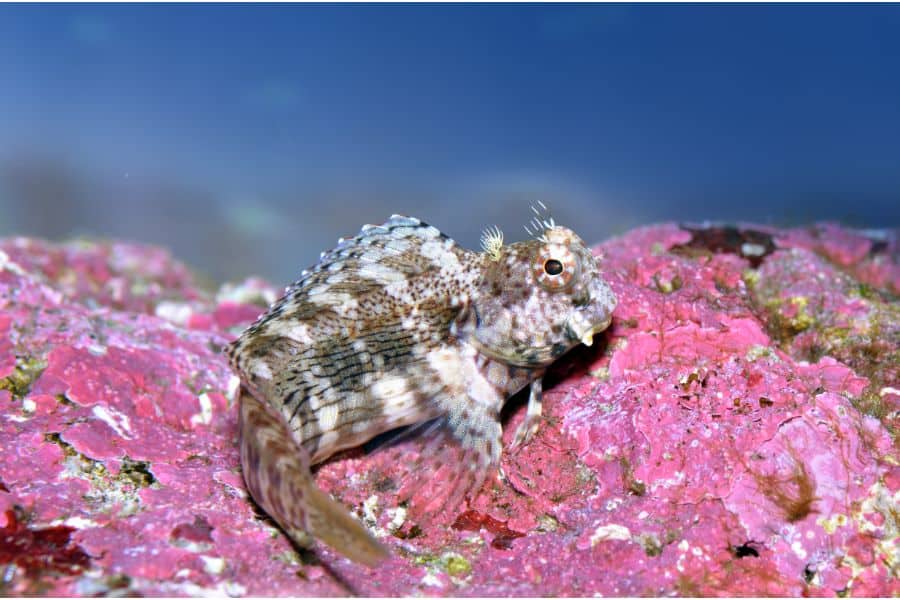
396	326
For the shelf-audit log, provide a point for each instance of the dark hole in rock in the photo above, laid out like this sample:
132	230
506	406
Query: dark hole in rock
198	531
744	550
809	572
751	244
138	471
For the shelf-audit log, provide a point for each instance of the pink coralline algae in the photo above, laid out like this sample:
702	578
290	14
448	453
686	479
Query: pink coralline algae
735	434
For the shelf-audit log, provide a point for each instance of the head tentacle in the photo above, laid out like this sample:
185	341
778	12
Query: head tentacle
492	242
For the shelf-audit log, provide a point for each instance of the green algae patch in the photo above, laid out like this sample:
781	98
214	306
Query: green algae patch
109	492
27	370
453	564
788	317
456	565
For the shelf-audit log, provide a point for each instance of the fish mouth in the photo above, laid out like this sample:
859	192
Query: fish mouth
584	332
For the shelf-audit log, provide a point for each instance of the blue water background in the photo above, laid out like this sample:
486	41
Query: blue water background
247	138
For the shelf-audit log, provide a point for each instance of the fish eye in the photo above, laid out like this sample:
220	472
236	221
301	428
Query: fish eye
555	267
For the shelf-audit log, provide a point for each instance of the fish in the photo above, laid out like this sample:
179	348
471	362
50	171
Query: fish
397	326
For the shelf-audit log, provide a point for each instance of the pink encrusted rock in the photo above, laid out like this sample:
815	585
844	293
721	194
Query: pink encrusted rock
735	434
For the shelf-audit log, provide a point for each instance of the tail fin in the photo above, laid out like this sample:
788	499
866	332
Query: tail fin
277	473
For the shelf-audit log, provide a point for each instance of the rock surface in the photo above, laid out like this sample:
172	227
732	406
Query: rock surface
736	434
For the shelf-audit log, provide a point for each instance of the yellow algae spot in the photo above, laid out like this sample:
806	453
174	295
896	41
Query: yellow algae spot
456	565
27	371
750	277
802	320
450	563
831	524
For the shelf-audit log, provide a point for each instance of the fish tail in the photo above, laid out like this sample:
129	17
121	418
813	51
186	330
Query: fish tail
276	470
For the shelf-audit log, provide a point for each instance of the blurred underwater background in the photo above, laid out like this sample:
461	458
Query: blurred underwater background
248	138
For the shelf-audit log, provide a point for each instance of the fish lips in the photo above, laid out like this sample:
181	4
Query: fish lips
583	330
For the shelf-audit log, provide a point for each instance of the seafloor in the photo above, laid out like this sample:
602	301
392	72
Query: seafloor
735	433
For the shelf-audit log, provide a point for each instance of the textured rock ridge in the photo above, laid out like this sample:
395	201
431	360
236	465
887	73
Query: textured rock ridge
734	434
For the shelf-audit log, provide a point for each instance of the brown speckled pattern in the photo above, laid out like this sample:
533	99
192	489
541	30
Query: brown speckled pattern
397	326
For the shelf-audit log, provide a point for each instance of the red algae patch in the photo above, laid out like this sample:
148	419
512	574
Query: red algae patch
733	433
39	553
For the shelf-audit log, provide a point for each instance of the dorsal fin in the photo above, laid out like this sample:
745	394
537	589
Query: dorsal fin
395	245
